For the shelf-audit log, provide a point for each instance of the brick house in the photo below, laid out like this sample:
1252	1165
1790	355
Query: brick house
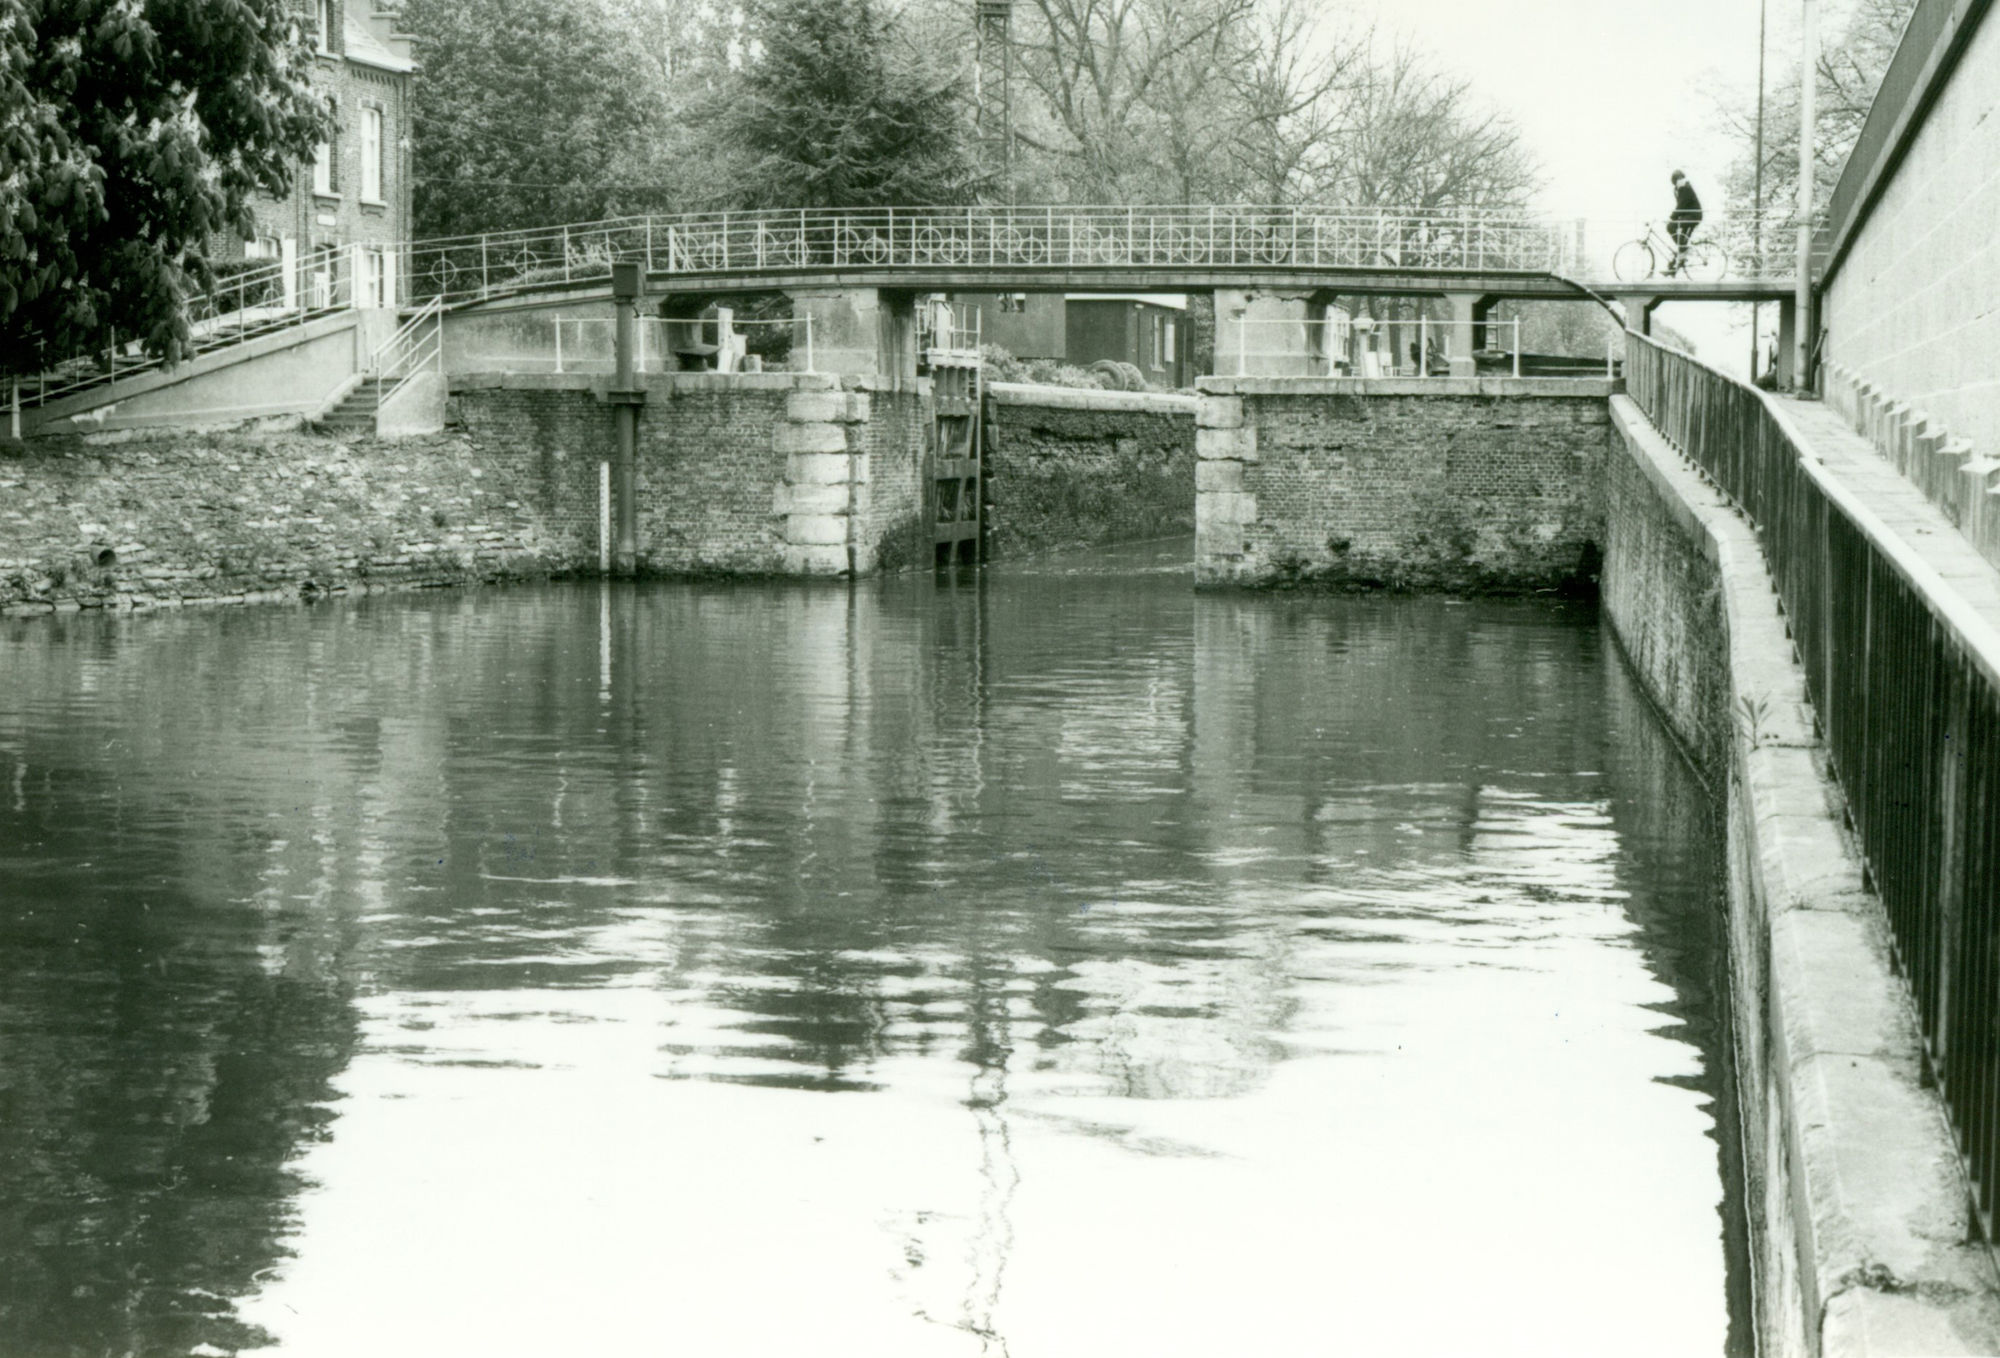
350	207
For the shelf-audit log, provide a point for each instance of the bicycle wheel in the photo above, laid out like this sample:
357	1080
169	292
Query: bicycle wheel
1633	262
1705	261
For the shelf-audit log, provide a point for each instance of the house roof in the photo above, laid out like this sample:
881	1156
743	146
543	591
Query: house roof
368	50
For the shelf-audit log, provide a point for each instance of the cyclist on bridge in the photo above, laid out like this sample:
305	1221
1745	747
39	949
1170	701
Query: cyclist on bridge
1686	217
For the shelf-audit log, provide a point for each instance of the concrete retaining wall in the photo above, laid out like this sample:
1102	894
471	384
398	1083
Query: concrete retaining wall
1068	467
1458	485
1857	1204
290	372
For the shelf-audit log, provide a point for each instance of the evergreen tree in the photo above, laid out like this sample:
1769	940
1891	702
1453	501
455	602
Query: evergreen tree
832	114
130	134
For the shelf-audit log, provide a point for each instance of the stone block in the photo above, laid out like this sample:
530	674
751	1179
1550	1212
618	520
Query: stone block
812	498
810	438
816	530
1222	476
804	559
1238	445
1219	412
1220	507
827	407
802	469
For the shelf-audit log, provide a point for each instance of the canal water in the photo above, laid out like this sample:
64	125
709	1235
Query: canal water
1054	962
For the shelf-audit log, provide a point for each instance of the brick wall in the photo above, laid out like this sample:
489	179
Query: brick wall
1453	485
1076	467
138	520
892	533
1912	309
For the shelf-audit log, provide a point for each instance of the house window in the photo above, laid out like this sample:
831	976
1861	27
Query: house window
1173	347
261	247
374	276
324	23
371	155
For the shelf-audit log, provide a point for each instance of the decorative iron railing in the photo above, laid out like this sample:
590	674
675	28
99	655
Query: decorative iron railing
1906	682
1046	240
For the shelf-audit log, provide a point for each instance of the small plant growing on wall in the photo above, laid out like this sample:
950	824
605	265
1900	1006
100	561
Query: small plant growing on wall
1753	713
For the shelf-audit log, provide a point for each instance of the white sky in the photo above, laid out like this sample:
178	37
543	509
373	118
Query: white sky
1612	96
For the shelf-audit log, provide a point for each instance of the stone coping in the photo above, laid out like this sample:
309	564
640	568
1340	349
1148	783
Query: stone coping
1584	388
1081	398
1878	1196
665	383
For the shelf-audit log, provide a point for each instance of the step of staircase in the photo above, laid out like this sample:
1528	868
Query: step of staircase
356	414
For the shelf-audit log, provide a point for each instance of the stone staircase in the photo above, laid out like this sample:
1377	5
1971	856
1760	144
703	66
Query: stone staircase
355	416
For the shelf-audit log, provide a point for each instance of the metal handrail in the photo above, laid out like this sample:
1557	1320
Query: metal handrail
411	354
1904	677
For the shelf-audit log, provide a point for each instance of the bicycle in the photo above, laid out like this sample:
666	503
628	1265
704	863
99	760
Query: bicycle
1636	260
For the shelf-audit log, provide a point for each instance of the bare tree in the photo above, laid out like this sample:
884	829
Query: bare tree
1417	138
1849	72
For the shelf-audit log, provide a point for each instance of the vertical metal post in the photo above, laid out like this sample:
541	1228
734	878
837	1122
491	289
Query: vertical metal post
558	325
484	282
1242	343
14	412
1423	346
809	341
1517	346
626	398
1808	94
565	250
603	516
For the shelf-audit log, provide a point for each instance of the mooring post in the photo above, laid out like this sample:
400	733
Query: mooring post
626	398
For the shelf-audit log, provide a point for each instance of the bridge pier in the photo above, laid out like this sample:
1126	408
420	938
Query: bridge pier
1466	336
856	332
1638	310
1263	333
1788	327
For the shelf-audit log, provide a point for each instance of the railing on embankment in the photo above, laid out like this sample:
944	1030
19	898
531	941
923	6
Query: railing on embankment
1906	682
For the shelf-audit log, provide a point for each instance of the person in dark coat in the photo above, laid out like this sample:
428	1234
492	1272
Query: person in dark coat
1686	217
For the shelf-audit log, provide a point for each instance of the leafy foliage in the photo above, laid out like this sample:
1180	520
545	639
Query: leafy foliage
830	118
525	114
130	133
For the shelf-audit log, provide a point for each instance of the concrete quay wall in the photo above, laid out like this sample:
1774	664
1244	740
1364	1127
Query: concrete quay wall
1453	485
1069	467
1857	1202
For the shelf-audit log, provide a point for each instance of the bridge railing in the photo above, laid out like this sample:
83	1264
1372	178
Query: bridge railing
1906	683
1019	238
1054	238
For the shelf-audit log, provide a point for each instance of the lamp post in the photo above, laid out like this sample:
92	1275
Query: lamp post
1757	194
1802	304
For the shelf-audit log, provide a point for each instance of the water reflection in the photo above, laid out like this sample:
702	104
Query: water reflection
1055	962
